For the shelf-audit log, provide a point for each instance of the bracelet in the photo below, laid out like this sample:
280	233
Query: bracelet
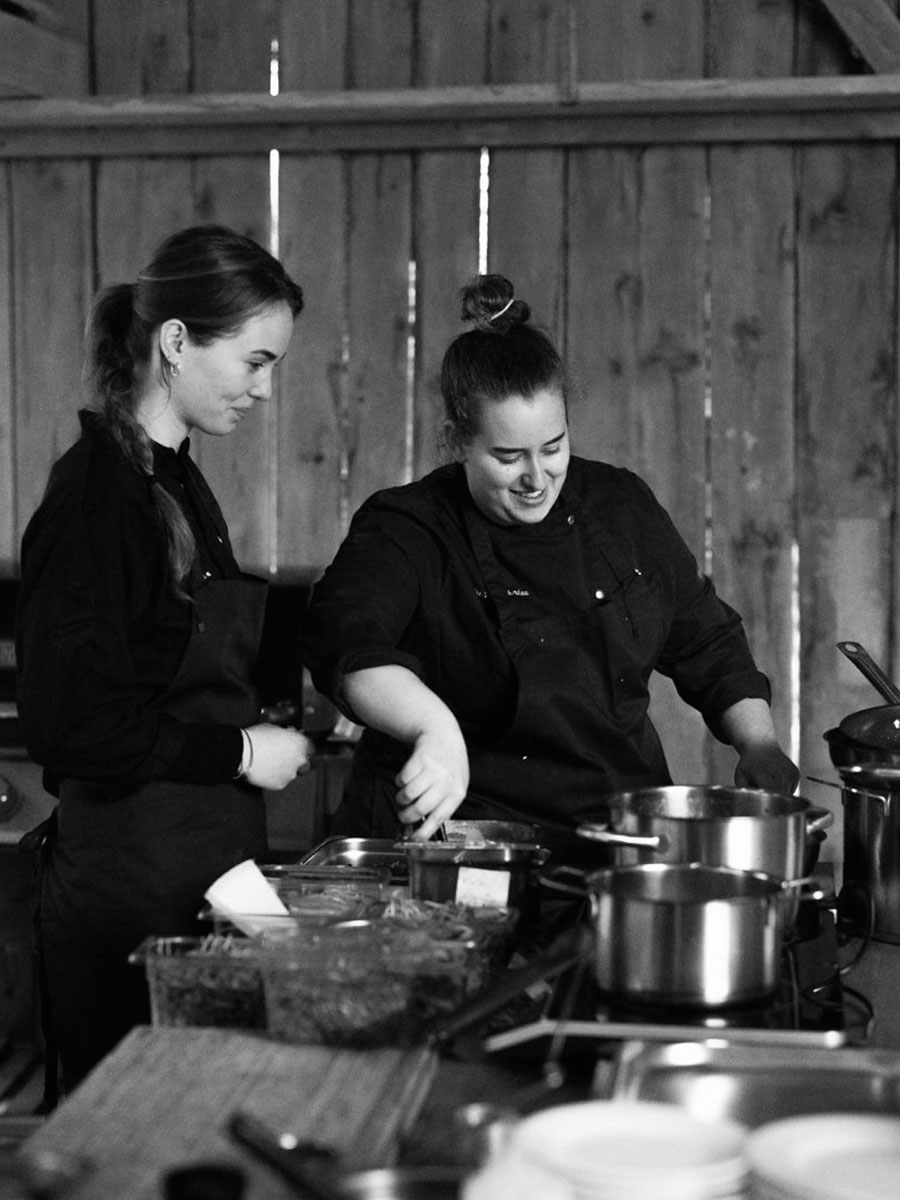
242	770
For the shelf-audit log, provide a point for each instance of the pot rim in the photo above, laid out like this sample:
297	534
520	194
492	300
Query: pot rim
651	803
767	886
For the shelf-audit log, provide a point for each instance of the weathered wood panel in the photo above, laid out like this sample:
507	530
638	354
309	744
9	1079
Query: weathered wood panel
51	283
313	245
635	311
447	212
527	187
752	385
234	191
380	251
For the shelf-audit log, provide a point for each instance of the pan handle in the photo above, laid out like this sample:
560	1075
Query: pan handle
600	833
818	819
860	657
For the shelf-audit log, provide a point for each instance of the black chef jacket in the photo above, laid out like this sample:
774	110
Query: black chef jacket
603	591
99	631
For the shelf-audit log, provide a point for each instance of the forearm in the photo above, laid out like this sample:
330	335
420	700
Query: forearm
748	723
762	763
393	700
435	777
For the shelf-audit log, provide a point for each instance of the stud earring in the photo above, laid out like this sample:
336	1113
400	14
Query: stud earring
175	368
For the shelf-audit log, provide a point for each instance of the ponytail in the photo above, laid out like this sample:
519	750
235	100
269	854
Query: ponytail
114	347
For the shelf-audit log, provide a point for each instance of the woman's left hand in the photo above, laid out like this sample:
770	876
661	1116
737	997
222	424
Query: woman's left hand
766	766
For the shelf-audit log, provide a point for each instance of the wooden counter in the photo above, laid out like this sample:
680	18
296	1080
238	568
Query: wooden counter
162	1099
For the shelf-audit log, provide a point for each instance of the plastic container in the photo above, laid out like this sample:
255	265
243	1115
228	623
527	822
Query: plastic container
211	981
360	984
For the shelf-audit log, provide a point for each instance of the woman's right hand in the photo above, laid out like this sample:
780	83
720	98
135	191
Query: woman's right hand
434	779
279	754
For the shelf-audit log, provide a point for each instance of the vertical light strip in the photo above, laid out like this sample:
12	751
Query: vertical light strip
274	248
484	189
274	157
794	751
409	447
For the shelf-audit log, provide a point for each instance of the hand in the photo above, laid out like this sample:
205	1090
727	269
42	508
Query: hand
279	755
765	765
434	780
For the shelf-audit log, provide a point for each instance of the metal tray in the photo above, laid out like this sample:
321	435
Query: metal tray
757	1084
379	853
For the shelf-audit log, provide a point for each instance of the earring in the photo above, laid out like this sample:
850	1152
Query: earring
175	368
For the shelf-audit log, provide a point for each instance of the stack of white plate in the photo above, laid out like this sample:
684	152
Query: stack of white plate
619	1150
828	1156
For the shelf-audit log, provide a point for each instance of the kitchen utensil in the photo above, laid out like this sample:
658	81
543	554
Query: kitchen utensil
688	934
315	1173
309	1167
877	727
861	658
382	853
871	800
747	829
566	951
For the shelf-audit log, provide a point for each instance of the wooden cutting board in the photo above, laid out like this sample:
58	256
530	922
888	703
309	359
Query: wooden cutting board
163	1097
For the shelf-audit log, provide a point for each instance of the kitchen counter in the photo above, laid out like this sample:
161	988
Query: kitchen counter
163	1097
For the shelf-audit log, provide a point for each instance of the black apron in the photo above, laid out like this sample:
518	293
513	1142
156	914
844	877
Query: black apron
580	729
121	868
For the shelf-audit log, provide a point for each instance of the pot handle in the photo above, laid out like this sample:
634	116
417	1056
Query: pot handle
600	833
549	879
818	818
809	887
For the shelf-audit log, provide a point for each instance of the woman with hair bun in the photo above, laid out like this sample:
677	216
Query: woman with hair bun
494	625
137	633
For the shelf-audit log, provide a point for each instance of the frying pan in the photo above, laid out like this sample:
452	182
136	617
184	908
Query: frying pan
875	727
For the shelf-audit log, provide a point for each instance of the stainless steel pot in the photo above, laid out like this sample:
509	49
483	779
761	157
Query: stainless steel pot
688	934
871	800
747	829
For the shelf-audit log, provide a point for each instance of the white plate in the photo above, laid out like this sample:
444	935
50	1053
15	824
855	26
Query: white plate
833	1156
641	1145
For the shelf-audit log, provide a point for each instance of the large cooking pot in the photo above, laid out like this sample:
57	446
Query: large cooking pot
747	829
688	934
871	799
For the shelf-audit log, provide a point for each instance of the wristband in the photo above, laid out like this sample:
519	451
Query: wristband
242	770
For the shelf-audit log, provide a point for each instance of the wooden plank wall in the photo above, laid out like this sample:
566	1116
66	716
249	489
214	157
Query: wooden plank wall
728	312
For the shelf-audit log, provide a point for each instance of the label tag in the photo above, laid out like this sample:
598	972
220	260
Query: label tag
477	886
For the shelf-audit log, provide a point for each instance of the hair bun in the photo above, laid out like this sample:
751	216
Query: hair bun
489	301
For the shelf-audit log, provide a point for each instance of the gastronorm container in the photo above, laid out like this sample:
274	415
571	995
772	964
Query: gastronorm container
377	853
363	983
498	875
757	1084
211	981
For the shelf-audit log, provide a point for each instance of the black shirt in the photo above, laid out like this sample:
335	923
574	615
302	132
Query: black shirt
100	630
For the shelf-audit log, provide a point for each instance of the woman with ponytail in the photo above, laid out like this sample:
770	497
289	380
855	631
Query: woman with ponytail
137	633
494	625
